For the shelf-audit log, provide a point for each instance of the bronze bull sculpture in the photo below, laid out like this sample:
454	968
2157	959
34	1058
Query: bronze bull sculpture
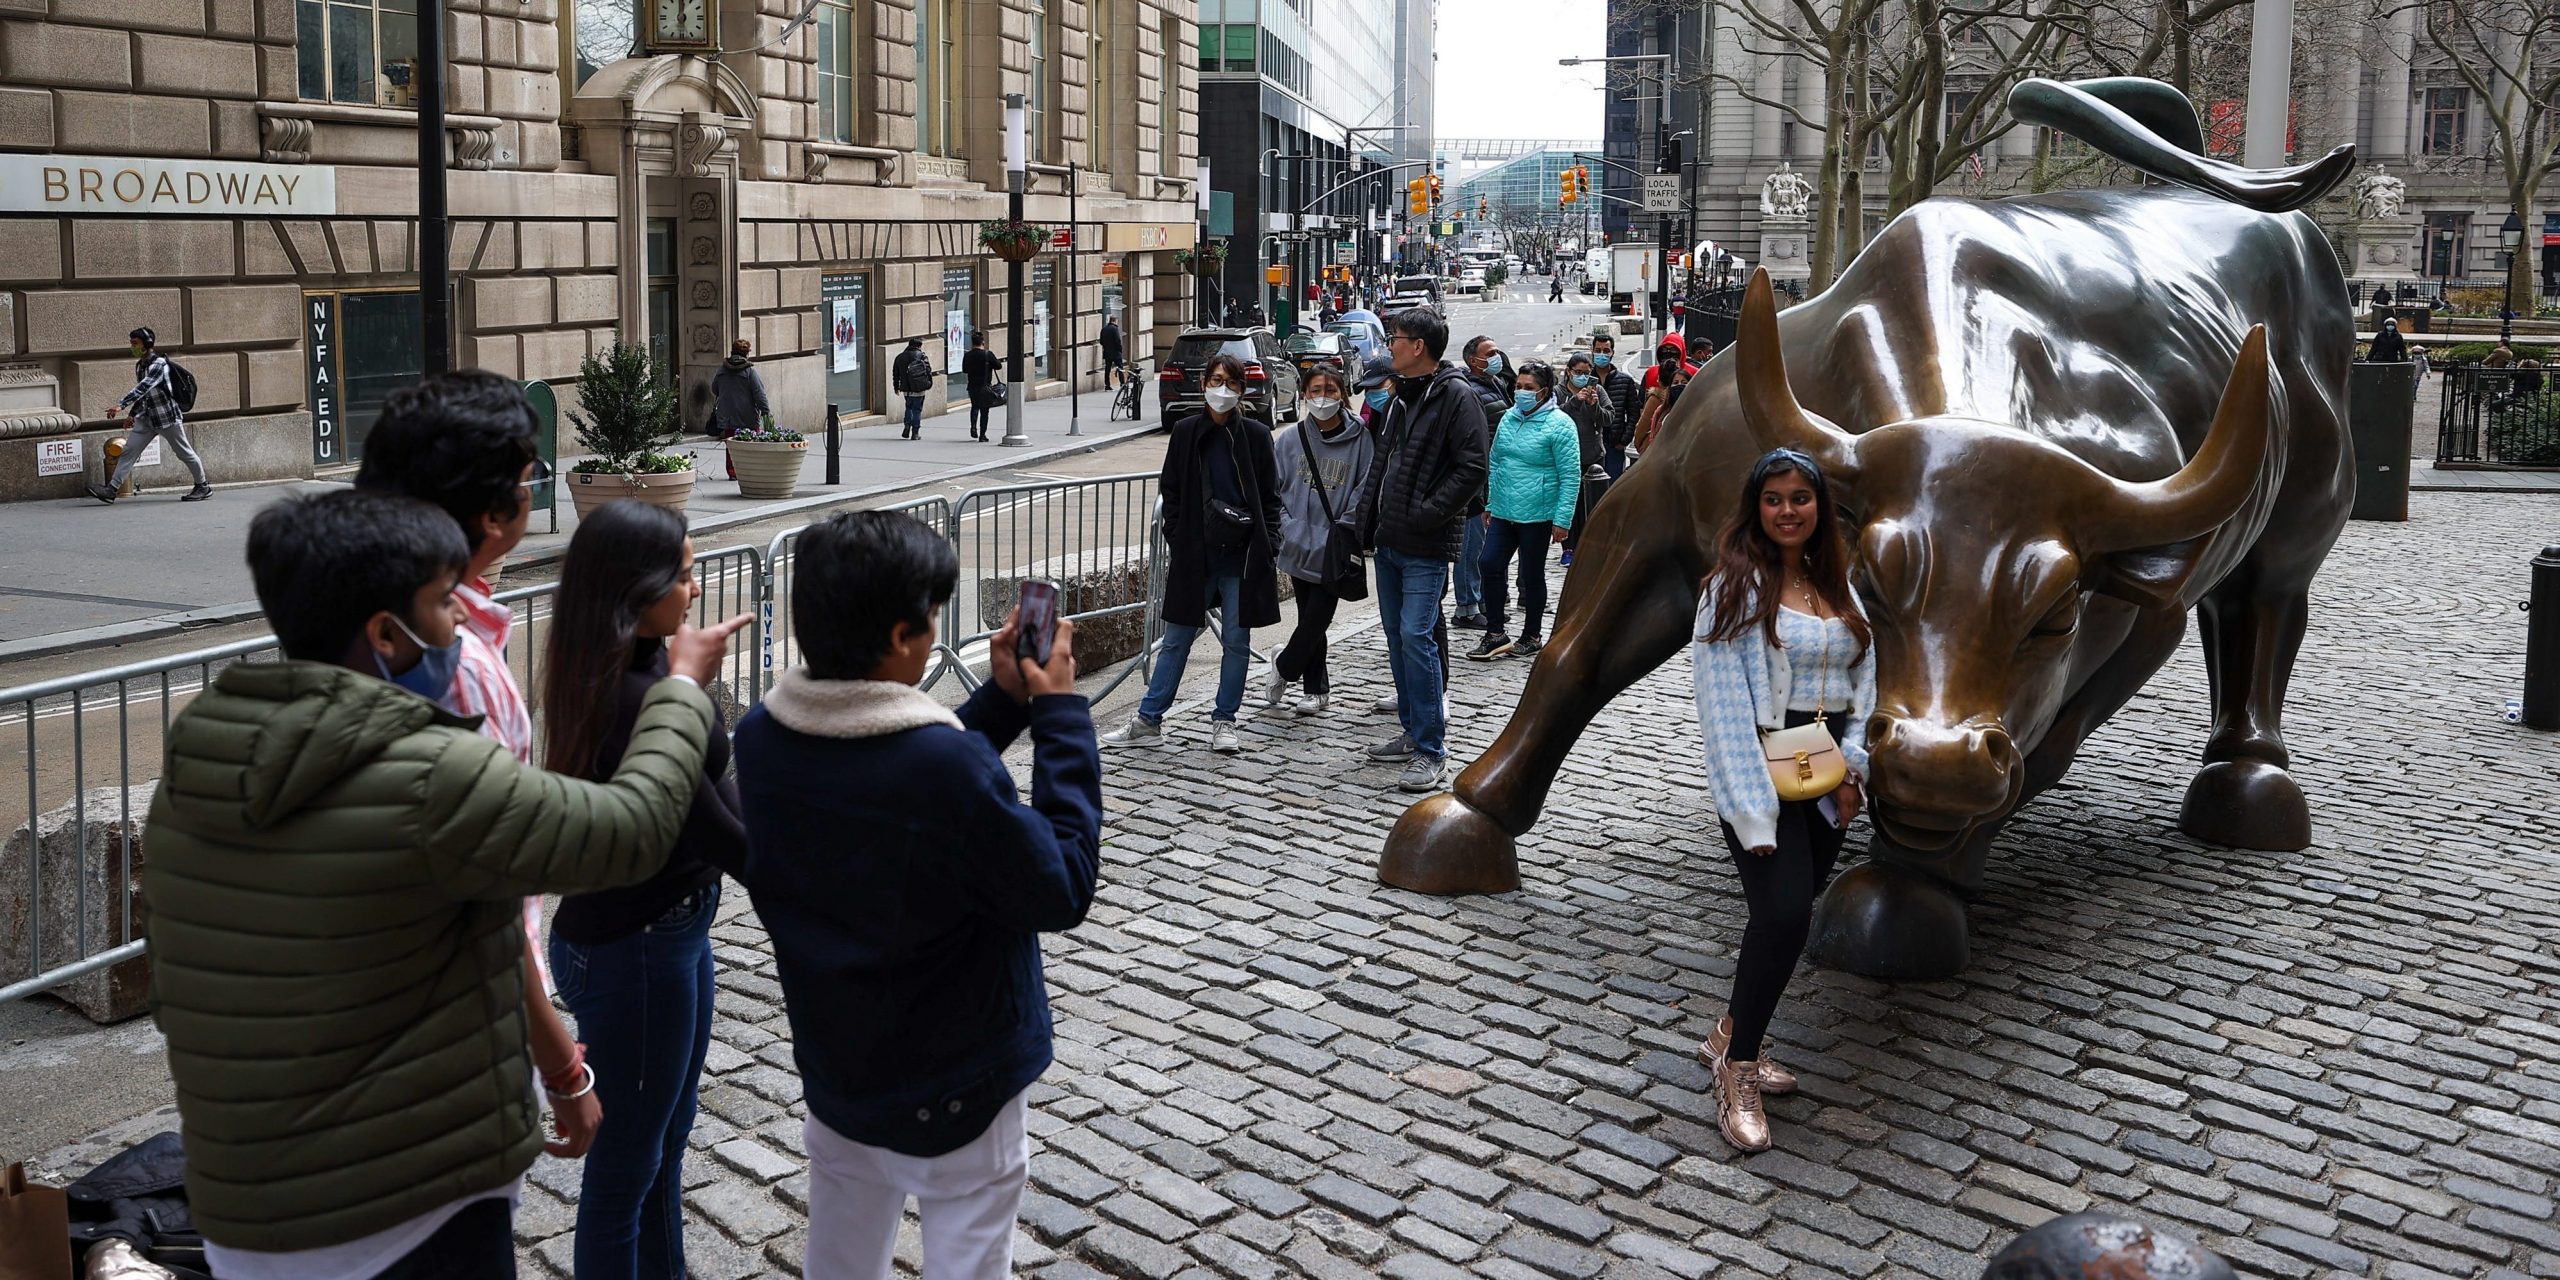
2059	422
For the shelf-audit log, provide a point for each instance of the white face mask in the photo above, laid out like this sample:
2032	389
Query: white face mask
1323	407
1223	399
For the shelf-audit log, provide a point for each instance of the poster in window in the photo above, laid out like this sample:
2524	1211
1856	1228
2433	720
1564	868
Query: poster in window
847	335
955	339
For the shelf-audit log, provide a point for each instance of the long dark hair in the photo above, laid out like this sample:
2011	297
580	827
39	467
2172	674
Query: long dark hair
625	557
1750	571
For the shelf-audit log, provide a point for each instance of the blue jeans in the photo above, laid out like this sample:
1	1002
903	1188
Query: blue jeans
915	414
643	1005
1226	594
1409	590
1469	581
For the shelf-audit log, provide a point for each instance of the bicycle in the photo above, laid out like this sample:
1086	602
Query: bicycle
1124	402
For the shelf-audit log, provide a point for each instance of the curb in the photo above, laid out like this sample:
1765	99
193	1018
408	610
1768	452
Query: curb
123	633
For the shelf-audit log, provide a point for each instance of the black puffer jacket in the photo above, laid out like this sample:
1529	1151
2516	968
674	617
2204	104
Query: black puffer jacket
1627	399
1432	471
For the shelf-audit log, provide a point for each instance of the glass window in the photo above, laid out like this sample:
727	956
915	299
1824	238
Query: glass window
601	33
2448	122
1036	105
1168	100
1043	293
937	70
844	312
1240	45
662	247
835	70
1210	36
381	348
359	51
959	320
1100	85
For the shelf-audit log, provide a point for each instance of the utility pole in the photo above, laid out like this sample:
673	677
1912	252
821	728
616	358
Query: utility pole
435	257
2270	84
1017	161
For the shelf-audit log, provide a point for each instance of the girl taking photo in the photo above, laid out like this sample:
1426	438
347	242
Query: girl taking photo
634	964
1785	671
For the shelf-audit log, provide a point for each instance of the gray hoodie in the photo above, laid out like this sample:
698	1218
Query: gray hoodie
1342	463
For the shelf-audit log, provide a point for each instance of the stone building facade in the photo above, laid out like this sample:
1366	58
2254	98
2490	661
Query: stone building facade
240	175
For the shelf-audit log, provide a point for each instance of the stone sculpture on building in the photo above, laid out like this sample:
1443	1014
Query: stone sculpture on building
1786	193
2063	421
2380	196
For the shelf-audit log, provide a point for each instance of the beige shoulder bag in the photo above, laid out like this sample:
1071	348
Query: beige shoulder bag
1805	762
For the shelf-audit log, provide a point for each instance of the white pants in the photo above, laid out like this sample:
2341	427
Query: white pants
967	1199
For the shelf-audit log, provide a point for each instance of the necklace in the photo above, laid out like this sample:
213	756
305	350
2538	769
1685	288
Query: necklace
1804	592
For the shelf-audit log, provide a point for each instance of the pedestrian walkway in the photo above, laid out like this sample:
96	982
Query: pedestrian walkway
2343	1061
89	573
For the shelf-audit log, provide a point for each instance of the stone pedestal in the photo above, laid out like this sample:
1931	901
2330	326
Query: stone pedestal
2383	251
90	849
1786	248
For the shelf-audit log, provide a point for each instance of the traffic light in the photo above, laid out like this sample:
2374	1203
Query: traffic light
1416	199
1483	206
1435	191
1565	192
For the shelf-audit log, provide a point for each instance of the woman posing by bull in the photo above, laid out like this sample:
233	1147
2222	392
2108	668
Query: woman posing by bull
1781	645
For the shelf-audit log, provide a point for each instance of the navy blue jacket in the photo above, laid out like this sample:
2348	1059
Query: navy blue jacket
905	886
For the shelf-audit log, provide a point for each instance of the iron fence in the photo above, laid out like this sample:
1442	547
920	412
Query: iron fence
2503	417
1101	539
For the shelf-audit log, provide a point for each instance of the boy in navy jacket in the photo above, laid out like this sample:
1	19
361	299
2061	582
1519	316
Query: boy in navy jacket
905	886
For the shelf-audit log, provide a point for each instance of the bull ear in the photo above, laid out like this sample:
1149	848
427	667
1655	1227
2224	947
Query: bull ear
2211	488
1769	406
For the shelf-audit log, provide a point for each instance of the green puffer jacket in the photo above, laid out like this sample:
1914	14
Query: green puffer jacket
334	884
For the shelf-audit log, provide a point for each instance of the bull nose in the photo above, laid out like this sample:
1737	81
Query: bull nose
1953	772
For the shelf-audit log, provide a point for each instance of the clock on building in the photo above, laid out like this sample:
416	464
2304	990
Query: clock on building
680	25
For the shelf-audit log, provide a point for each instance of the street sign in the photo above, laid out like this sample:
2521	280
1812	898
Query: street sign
1062	238
1345	252
1662	193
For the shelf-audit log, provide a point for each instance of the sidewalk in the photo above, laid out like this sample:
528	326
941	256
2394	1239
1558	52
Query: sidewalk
82	574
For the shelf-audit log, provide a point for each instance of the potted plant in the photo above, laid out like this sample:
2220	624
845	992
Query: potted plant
1213	253
767	460
1012	239
627	418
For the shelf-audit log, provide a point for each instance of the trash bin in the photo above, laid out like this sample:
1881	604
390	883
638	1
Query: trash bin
2414	319
2381	404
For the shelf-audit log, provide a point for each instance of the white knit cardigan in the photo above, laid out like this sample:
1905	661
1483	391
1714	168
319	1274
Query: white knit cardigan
1743	685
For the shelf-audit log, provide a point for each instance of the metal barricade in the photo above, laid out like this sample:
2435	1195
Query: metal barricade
773	602
1097	538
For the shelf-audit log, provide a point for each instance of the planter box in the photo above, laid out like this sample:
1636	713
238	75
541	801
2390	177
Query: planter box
590	490
768	468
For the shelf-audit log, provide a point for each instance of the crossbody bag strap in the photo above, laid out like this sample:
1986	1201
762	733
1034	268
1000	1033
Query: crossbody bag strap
1313	476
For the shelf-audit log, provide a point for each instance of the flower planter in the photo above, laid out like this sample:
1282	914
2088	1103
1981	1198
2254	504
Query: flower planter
589	490
767	468
1016	250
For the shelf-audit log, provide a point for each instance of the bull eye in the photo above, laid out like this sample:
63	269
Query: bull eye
2062	619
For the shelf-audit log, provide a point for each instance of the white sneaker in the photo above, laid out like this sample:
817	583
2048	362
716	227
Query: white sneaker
1139	732
1312	704
1385	706
1222	737
1275	691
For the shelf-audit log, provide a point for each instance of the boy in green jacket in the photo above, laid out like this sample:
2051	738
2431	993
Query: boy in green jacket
335	870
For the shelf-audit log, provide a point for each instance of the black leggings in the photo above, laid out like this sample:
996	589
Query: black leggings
1529	541
1303	657
476	1244
1780	888
978	411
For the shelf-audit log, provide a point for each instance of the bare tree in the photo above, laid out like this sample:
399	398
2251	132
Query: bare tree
2506	53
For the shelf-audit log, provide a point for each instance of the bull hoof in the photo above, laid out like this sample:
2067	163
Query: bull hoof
1444	845
2246	804
1883	921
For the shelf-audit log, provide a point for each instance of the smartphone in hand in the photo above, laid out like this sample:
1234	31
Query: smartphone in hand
1036	629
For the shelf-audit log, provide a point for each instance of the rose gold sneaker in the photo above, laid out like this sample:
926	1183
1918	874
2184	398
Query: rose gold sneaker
1738	1111
1775	1081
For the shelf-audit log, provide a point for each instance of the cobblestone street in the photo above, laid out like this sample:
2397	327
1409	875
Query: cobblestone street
2339	1062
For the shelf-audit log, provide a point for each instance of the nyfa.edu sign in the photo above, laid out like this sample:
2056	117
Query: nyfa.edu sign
115	185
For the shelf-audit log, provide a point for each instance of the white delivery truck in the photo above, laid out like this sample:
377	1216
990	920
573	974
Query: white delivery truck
1595	271
1634	273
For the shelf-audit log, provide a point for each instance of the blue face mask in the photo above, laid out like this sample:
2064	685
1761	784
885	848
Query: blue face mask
1581	380
432	677
1494	364
1600	359
1524	401
1378	399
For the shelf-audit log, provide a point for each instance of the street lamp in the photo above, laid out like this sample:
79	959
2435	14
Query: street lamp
2511	236
1200	244
1016	167
2444	281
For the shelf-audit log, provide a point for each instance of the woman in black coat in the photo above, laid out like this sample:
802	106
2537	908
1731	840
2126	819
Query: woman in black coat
1221	491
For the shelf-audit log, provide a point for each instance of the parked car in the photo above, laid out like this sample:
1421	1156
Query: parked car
1368	334
1414	291
1471	280
1271	375
1313	349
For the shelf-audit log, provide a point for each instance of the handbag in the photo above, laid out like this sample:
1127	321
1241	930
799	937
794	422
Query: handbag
35	1228
1805	762
1228	526
1346	570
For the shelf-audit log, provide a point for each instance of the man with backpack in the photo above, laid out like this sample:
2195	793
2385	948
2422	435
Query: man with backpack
912	372
163	392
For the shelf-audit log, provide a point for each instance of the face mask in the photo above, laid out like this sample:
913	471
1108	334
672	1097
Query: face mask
1524	401
137	351
432	677
1324	407
1378	399
1600	359
1494	364
1581	380
1223	399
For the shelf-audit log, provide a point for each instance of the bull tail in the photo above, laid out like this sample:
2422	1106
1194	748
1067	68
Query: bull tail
2152	127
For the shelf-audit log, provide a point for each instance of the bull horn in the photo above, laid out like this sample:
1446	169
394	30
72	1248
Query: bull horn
1769	405
2213	485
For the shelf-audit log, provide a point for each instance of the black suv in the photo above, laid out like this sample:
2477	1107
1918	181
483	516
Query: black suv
1271	375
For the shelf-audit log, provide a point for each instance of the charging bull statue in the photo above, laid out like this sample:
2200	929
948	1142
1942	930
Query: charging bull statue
2057	422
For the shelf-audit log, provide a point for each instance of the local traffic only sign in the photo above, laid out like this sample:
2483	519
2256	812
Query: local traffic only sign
1661	193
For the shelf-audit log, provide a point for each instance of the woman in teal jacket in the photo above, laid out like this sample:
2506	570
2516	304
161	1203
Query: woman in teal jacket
1536	479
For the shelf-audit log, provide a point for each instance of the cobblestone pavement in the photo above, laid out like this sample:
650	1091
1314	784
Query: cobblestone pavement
2337	1062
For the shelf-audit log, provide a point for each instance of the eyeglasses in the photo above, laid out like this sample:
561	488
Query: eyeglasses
541	475
1394	338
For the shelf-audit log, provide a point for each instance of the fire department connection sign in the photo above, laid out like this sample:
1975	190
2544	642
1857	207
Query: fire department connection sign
123	185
